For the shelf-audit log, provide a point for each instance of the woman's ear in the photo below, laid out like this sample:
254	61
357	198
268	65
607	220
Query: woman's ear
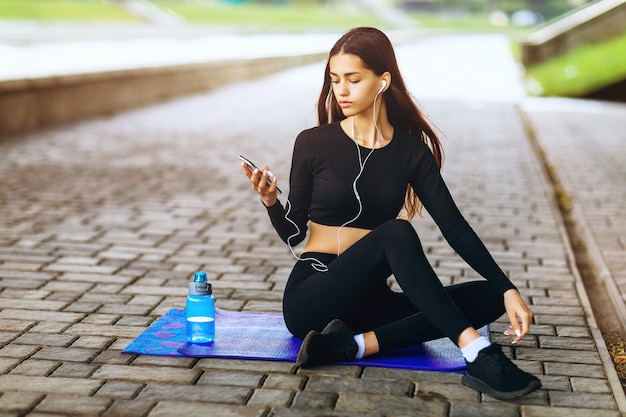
386	79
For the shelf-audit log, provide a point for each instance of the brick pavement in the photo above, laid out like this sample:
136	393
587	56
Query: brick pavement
103	222
585	143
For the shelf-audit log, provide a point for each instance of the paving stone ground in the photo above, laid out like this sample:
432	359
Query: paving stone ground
102	224
586	144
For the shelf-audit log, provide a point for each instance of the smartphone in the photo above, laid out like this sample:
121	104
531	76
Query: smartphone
253	167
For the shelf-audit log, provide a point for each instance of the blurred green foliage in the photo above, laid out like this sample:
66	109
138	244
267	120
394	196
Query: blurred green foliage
581	71
269	17
283	13
63	10
548	8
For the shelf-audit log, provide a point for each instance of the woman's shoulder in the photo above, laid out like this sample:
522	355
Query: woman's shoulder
319	136
321	131
410	142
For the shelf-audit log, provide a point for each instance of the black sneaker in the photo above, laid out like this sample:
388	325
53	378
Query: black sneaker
495	375
334	344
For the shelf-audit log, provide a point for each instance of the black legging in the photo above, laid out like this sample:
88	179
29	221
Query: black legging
355	290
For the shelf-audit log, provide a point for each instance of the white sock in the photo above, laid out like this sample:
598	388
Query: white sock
470	351
360	342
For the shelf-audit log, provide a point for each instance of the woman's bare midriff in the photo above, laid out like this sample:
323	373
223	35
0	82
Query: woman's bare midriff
324	239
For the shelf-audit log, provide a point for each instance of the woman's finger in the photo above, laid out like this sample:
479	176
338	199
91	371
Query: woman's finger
246	169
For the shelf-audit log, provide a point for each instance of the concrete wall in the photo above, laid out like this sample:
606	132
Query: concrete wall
599	21
30	104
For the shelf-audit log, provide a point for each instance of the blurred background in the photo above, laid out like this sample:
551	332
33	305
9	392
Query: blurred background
567	48
295	15
292	15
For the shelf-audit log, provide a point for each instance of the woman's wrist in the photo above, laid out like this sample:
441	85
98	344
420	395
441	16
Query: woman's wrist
269	202
511	291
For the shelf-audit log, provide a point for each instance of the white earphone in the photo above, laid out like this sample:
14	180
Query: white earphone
384	84
316	263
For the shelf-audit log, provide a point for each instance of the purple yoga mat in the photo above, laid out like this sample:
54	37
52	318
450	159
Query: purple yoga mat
263	336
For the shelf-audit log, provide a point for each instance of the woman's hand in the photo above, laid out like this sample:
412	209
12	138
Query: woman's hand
519	315
259	181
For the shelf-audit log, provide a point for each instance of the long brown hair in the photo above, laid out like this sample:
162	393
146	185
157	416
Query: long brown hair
377	54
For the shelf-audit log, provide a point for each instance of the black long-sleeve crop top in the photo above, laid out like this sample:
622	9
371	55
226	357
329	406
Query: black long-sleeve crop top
324	166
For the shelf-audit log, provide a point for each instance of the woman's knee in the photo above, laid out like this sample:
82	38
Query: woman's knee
400	230
469	295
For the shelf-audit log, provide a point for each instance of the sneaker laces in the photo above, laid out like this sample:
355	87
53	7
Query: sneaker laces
496	359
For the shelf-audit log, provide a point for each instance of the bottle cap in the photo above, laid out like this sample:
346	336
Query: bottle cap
200	284
200	276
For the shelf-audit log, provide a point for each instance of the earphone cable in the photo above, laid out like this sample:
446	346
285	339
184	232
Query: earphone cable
362	163
317	264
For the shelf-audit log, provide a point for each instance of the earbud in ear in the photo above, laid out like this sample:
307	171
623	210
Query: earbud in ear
384	84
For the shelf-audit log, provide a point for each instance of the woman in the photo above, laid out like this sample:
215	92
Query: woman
370	166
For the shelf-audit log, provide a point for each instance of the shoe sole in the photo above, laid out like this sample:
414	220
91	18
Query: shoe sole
303	355
478	385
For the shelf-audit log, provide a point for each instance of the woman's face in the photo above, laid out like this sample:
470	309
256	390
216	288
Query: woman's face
354	85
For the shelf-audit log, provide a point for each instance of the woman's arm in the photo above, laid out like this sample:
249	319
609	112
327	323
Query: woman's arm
434	194
290	222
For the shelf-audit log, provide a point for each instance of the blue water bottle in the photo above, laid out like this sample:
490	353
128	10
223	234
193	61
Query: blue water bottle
200	309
